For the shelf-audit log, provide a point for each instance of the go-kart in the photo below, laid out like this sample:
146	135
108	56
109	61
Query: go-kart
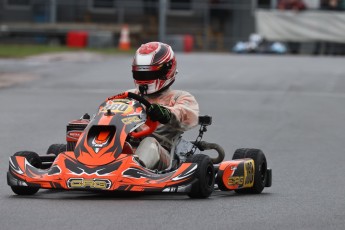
100	156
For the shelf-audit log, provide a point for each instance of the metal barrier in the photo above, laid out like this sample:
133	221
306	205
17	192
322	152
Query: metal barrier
214	26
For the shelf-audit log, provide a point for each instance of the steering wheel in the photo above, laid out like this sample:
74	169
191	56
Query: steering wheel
152	125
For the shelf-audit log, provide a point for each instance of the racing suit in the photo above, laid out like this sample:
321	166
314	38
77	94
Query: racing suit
154	151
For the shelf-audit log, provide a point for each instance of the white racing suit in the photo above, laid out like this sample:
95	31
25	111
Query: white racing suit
154	151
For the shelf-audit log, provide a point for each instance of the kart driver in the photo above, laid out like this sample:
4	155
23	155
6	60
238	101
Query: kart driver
154	71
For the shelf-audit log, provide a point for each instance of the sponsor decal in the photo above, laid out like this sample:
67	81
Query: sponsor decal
129	120
245	178
126	101
116	107
249	173
73	135
235	180
89	183
170	189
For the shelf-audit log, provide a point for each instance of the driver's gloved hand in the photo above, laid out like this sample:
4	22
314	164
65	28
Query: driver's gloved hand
159	113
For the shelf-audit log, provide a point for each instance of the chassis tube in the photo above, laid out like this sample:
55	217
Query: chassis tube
203	145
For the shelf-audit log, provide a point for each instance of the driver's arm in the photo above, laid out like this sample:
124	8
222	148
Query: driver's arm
185	111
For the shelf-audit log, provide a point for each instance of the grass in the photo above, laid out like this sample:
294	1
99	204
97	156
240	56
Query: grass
21	51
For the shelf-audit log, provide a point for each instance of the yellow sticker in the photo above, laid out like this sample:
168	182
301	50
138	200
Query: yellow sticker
86	183
249	171
117	107
129	120
235	180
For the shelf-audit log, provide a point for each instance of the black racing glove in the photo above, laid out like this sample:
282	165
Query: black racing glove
159	113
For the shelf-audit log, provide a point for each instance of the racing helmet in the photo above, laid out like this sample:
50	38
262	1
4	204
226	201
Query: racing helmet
154	67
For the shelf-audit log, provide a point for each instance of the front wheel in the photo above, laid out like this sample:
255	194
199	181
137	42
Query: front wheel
205	176
260	165
35	161
56	149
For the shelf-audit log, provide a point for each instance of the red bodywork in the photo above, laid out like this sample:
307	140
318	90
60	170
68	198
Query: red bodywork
123	174
236	174
102	158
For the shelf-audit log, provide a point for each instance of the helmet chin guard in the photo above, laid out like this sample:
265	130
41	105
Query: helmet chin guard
143	89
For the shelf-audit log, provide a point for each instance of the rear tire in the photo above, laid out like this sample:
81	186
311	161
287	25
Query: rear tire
205	174
56	149
260	165
35	161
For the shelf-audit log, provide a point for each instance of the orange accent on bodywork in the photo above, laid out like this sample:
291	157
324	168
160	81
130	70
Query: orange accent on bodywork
123	95
102	137
101	158
152	126
105	120
228	168
118	182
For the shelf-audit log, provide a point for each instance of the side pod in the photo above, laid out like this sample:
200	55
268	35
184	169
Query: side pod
235	174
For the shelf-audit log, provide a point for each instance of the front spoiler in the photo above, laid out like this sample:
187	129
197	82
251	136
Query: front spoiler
128	175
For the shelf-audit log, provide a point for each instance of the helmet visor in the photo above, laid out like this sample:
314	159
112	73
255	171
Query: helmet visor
149	75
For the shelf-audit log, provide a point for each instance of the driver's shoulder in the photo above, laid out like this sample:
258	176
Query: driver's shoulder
179	93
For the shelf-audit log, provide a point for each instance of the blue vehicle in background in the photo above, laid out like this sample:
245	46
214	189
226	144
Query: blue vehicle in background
257	44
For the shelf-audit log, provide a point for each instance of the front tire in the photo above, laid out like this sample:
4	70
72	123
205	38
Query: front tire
56	149
260	165
205	175
35	161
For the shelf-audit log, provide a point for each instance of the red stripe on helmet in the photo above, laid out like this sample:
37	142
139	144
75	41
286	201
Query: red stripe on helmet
148	48
162	57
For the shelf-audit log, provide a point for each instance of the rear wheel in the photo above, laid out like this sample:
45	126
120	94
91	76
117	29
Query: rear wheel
260	165
56	149
35	161
205	175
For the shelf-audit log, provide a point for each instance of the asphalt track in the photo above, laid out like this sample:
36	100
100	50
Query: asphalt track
293	108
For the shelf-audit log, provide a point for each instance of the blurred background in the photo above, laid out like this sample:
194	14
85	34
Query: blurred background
287	101
241	26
